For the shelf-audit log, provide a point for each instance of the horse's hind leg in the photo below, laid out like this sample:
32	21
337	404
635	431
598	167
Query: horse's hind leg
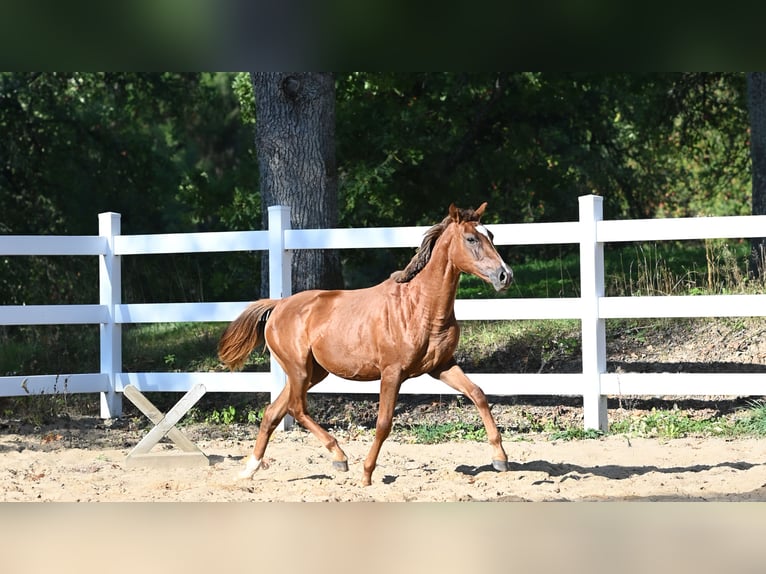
272	415
298	408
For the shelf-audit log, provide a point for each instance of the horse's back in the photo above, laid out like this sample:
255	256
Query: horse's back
347	332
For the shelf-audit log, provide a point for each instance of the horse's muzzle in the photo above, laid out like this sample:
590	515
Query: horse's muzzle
501	278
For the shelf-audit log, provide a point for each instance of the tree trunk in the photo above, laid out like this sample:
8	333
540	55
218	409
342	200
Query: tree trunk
295	144
756	101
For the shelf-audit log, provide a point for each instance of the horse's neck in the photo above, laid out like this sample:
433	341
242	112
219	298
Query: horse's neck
434	288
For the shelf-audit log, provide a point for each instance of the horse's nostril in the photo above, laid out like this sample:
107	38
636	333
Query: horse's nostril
503	277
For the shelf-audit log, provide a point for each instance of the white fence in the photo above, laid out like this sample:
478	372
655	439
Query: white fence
592	308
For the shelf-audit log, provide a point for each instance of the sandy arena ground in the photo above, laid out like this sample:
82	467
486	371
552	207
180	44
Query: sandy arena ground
615	468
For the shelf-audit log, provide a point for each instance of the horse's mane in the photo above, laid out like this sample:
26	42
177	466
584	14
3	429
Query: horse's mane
423	254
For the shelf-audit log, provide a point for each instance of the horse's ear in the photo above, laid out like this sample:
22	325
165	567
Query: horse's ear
481	209
454	213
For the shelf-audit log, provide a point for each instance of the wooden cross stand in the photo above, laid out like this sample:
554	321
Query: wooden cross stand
189	456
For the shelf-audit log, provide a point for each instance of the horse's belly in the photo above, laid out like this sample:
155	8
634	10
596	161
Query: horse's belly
358	362
360	365
353	371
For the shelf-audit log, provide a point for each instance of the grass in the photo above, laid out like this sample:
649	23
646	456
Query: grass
557	276
173	347
446	432
753	423
671	424
485	346
659	424
631	269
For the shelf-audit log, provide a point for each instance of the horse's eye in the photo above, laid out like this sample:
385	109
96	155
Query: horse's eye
471	239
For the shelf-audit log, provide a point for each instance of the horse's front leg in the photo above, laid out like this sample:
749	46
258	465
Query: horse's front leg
389	392
454	376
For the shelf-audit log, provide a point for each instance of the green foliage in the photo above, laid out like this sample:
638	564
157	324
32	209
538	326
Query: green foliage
666	424
530	143
446	432
652	145
243	88
220	412
575	433
225	416
164	150
174	152
754	420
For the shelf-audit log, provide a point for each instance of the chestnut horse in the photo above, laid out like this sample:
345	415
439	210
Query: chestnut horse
401	328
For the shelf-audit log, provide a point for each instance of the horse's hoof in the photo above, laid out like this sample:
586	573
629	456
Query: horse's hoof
253	464
341	465
500	465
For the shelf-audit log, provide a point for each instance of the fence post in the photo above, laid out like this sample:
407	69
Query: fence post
593	327
110	293
280	285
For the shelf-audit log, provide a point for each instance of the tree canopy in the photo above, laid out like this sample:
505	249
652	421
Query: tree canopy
175	152
530	143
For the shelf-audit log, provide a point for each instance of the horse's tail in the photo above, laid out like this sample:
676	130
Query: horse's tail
245	333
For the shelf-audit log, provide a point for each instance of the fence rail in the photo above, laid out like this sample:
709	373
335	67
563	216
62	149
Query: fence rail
592	308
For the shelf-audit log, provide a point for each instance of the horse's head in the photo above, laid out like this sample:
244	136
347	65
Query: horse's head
472	250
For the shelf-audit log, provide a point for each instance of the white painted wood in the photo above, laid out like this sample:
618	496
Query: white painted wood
465	310
403	237
684	384
218	241
495	384
110	333
31	385
517	309
381	237
250	382
683	306
155	416
731	227
593	326
173	416
499	384
536	233
215	382
53	314
52	245
178	312
165	426
280	280
280	286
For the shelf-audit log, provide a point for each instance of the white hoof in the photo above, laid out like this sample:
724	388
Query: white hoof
253	464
